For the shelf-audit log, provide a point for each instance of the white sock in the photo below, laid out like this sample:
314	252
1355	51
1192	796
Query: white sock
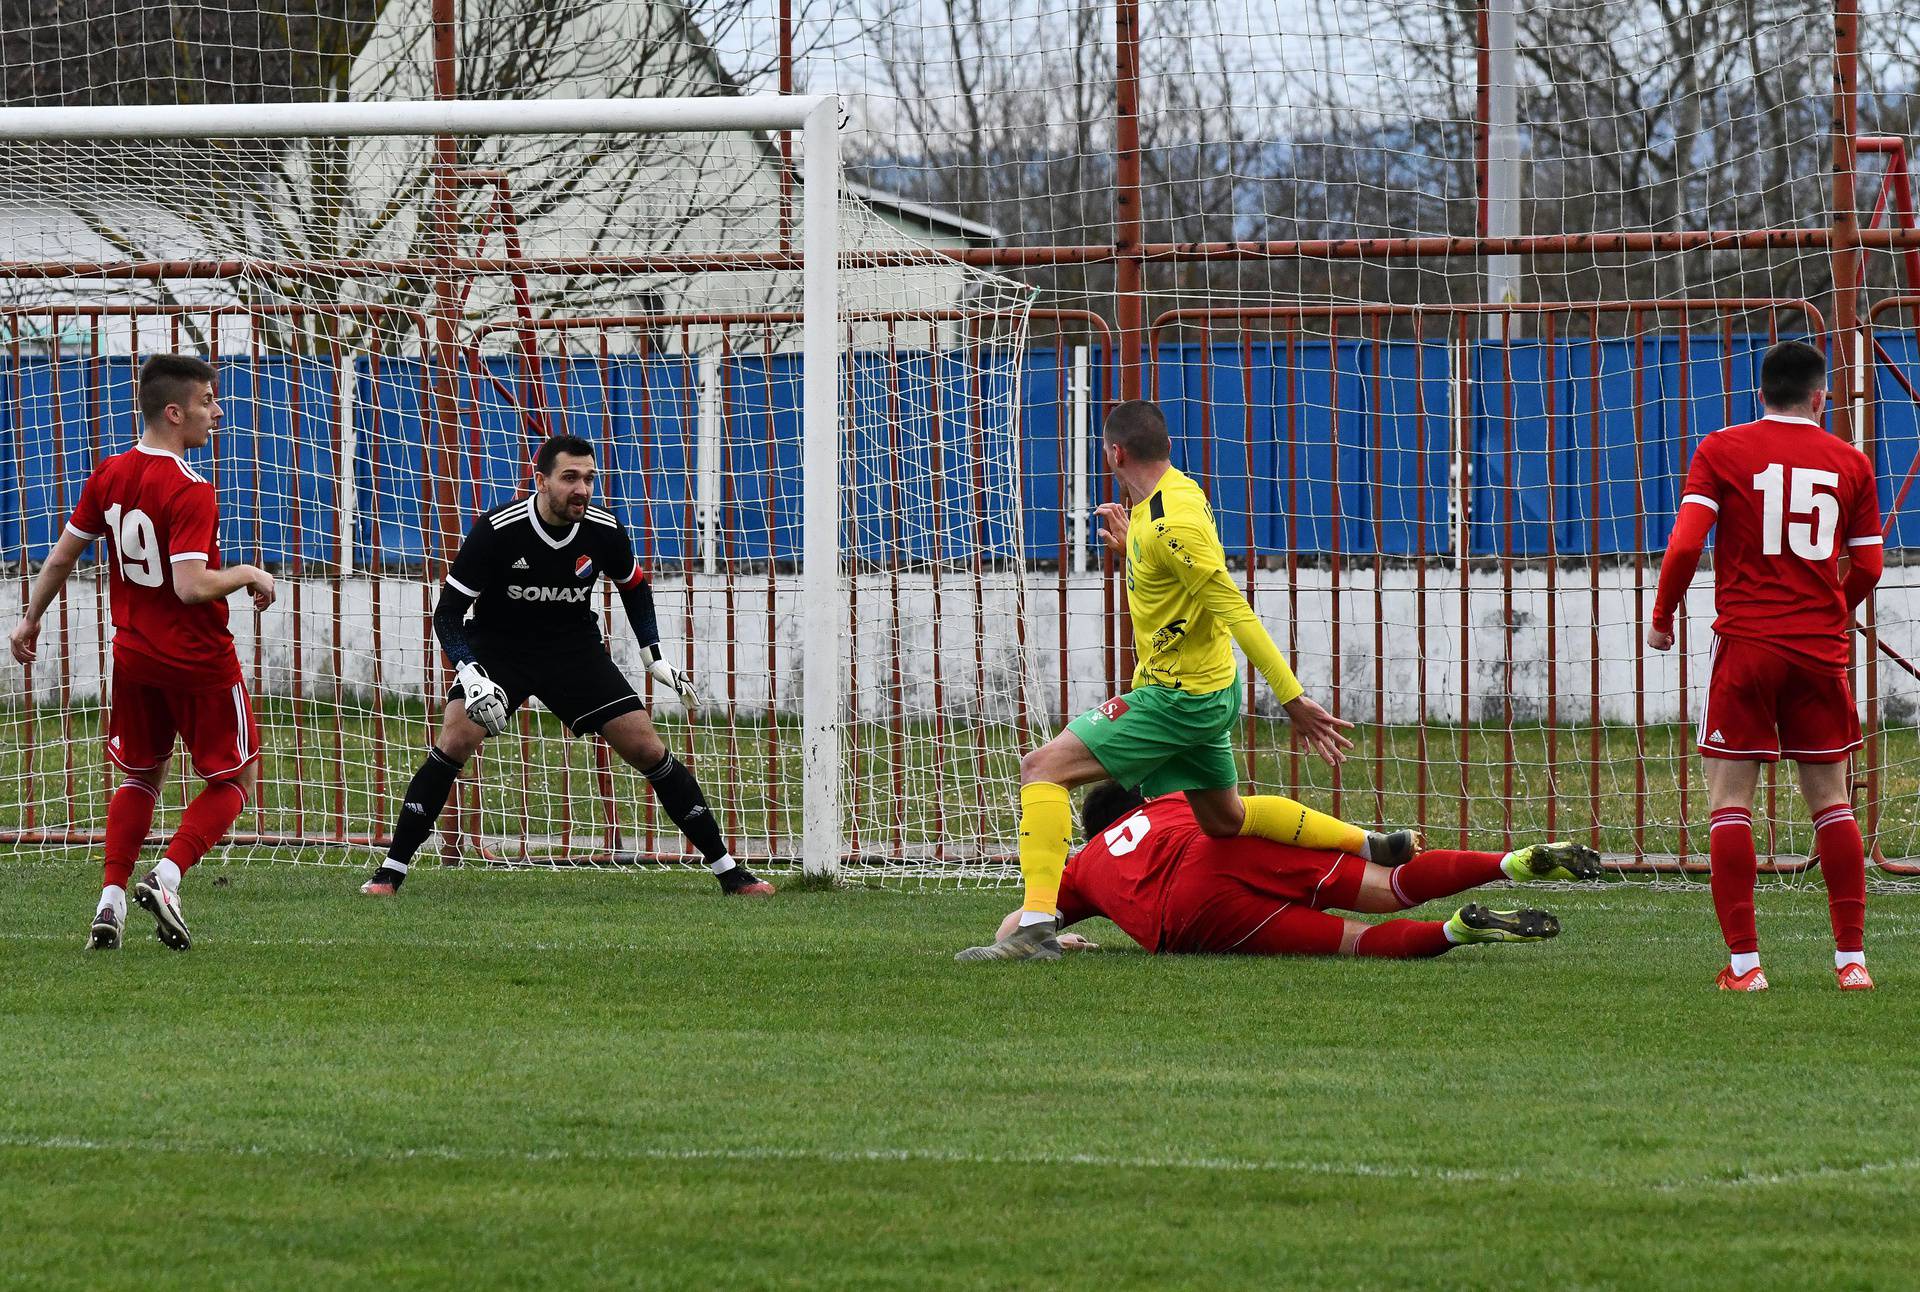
1745	962
391	864
168	874
723	865
1452	937
1841	959
115	896
1035	917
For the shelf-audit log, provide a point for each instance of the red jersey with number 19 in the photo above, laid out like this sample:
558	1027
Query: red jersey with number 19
153	510
1789	499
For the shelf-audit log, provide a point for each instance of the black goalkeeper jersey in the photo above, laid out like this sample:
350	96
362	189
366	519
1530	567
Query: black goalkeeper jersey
531	582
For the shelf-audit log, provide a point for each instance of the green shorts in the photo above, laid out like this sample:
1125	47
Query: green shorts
1158	740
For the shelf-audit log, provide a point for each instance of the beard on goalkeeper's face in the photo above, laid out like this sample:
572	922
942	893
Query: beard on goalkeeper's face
567	489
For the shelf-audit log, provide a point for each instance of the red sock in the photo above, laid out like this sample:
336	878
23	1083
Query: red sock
129	817
1843	864
1404	939
1440	872
1730	851
210	815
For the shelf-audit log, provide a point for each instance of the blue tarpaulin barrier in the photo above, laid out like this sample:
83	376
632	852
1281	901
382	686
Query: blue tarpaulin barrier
1571	447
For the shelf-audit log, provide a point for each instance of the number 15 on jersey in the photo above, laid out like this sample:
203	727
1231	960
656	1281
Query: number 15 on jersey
1801	492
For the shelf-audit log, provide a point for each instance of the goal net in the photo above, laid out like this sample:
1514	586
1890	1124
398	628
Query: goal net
1445	467
804	416
1438	299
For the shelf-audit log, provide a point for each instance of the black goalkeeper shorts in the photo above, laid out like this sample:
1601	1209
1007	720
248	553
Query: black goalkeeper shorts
576	679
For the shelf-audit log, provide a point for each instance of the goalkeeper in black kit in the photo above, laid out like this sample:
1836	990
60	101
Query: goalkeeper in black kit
527	571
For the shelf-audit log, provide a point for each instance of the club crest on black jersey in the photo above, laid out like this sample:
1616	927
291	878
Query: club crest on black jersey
526	576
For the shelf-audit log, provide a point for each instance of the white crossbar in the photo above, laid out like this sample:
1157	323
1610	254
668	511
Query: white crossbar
411	117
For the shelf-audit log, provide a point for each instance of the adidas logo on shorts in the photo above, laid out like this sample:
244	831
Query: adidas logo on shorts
1716	737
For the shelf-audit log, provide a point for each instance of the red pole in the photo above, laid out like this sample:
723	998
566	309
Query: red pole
1129	229
442	216
442	354
1847	330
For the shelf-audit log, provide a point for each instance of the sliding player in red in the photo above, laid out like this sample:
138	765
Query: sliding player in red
1799	549
174	668
1174	889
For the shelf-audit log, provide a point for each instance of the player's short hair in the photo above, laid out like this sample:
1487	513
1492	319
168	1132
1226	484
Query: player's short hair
1141	429
572	445
170	379
1789	374
1106	803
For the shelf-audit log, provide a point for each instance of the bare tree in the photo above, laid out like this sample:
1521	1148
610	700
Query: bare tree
1004	113
82	52
324	200
1654	115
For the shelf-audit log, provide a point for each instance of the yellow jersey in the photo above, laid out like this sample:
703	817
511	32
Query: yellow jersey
1185	607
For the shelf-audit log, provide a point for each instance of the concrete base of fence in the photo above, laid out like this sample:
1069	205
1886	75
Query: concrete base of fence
1378	650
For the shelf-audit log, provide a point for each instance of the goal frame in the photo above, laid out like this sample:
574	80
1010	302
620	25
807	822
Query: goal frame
817	118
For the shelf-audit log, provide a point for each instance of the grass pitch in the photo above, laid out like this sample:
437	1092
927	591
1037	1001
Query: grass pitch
532	1080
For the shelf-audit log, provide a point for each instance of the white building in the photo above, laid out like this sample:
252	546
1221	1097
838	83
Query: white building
698	197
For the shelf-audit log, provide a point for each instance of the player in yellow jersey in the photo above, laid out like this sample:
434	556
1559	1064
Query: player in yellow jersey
1172	730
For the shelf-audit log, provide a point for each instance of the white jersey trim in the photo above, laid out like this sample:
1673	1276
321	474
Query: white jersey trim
460	587
178	461
240	723
1841	749
1723	749
630	695
540	528
246	751
186	556
1704	501
1261	925
603	517
1797	421
1869	541
1700	725
83	535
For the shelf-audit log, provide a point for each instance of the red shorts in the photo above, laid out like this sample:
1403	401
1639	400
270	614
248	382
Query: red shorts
217	726
1763	707
1231	895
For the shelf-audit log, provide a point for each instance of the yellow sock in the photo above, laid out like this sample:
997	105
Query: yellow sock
1270	816
1046	835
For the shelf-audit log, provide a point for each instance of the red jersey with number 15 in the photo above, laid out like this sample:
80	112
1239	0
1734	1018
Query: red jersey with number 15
1789	500
153	509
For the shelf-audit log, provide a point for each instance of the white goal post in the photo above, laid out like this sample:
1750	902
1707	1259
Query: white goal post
826	702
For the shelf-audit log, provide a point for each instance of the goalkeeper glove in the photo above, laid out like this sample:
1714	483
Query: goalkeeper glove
667	675
486	702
